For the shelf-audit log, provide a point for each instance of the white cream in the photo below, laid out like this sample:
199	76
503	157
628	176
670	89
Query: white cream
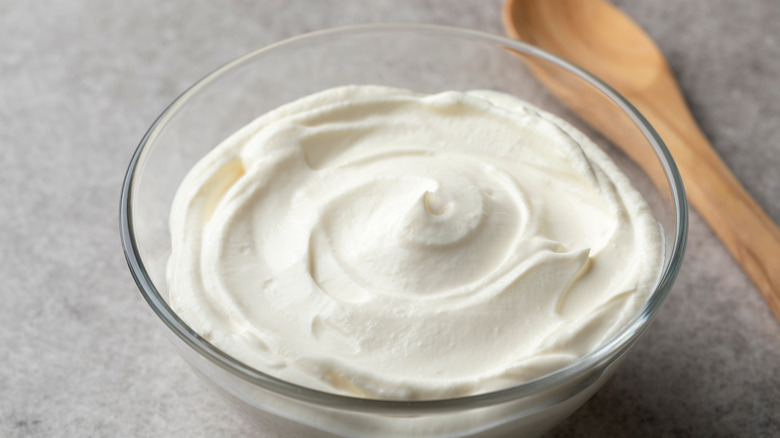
380	243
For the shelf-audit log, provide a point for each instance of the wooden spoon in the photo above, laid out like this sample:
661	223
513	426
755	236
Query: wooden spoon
600	38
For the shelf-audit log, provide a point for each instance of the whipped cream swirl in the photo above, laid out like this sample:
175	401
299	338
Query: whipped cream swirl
375	242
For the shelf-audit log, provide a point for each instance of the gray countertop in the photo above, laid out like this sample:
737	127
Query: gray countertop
81	354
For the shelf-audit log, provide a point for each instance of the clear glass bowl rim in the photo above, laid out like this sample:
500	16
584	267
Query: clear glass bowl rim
619	343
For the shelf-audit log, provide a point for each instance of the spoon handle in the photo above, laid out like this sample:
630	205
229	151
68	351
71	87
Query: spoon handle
745	229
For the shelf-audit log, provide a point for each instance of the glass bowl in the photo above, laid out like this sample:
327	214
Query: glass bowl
425	59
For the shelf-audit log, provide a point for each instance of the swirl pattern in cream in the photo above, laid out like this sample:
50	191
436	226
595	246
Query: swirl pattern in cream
376	242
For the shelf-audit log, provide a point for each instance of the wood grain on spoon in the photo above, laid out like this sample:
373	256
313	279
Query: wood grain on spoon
598	37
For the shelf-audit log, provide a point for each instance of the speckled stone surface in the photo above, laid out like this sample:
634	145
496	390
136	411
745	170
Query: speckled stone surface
81	354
